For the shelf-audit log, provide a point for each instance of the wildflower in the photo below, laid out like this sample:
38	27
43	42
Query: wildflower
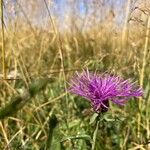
99	89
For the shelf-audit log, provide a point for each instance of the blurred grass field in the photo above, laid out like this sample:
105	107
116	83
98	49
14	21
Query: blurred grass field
40	40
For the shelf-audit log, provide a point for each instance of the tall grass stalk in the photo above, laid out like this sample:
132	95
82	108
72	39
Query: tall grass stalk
143	69
60	48
2	123
3	42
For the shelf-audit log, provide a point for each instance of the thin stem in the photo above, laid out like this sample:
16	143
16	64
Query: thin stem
143	70
61	54
59	42
95	135
4	134
145	51
3	42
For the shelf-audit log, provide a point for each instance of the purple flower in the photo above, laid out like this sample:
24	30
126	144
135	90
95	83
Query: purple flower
99	89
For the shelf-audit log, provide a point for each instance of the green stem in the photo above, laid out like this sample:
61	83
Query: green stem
95	135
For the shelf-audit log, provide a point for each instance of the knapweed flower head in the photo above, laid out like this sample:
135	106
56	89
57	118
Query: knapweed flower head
99	89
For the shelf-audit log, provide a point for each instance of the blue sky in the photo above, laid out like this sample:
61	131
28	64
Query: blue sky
63	7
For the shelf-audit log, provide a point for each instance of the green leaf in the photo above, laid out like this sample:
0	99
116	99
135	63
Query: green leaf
93	118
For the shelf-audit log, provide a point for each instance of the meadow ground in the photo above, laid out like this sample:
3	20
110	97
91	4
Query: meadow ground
39	58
